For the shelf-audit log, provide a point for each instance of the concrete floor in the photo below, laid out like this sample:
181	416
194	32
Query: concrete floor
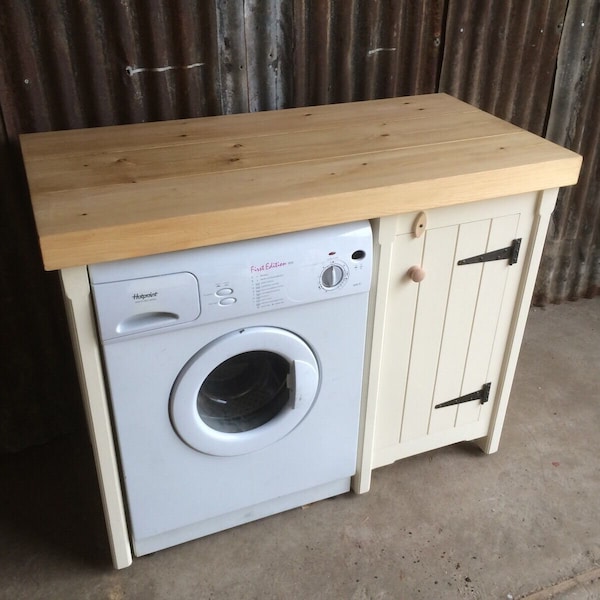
453	523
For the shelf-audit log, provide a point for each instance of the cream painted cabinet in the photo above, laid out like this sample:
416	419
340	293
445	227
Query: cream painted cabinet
451	298
215	180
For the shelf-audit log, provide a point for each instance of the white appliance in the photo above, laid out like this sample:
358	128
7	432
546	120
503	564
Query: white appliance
235	375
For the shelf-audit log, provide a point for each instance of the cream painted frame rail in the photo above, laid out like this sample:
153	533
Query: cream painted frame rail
546	204
80	315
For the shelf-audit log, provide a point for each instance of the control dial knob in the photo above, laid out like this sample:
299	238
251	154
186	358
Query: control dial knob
332	276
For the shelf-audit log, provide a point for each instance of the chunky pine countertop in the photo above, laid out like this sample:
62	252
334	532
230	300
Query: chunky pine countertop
117	192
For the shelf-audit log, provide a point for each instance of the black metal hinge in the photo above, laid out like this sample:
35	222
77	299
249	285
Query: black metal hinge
511	252
483	394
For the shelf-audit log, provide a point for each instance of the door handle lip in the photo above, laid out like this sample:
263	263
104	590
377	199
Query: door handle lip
146	320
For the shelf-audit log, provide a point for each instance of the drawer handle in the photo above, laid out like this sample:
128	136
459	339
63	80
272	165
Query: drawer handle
416	273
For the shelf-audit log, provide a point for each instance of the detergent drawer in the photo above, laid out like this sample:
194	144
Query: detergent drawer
138	305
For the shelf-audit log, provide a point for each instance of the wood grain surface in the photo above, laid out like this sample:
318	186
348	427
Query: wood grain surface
132	190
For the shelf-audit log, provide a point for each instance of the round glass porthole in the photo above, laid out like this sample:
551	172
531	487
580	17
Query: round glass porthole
244	392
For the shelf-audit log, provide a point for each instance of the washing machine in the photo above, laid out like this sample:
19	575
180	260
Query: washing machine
234	374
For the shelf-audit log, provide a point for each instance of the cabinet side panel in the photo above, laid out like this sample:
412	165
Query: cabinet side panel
533	224
78	304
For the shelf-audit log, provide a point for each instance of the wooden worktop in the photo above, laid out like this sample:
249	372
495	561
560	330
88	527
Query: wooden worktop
116	192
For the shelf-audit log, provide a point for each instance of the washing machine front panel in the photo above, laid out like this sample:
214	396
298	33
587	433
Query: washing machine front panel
313	310
244	391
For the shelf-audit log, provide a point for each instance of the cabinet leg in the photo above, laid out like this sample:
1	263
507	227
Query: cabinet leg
487	444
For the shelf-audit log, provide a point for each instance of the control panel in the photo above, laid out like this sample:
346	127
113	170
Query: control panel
230	280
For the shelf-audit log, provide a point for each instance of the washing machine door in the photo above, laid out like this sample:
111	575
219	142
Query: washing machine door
244	391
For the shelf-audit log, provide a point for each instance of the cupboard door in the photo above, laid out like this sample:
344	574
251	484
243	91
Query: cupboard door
441	335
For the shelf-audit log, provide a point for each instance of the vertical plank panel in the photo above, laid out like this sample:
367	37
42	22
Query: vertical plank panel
493	282
462	301
398	337
429	324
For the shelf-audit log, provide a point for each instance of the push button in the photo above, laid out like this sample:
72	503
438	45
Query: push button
224	292
227	301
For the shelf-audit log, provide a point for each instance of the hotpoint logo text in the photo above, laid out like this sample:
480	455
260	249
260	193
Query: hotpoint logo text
141	297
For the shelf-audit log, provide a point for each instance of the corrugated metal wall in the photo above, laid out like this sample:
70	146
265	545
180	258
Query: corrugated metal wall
363	49
501	57
86	63
570	266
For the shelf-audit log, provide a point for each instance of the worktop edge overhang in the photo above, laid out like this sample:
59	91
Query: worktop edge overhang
57	214
89	246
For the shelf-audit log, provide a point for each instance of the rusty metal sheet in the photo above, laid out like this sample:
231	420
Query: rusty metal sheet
570	266
267	41
501	56
364	49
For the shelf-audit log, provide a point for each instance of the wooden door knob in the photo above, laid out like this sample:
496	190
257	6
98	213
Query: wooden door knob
416	273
